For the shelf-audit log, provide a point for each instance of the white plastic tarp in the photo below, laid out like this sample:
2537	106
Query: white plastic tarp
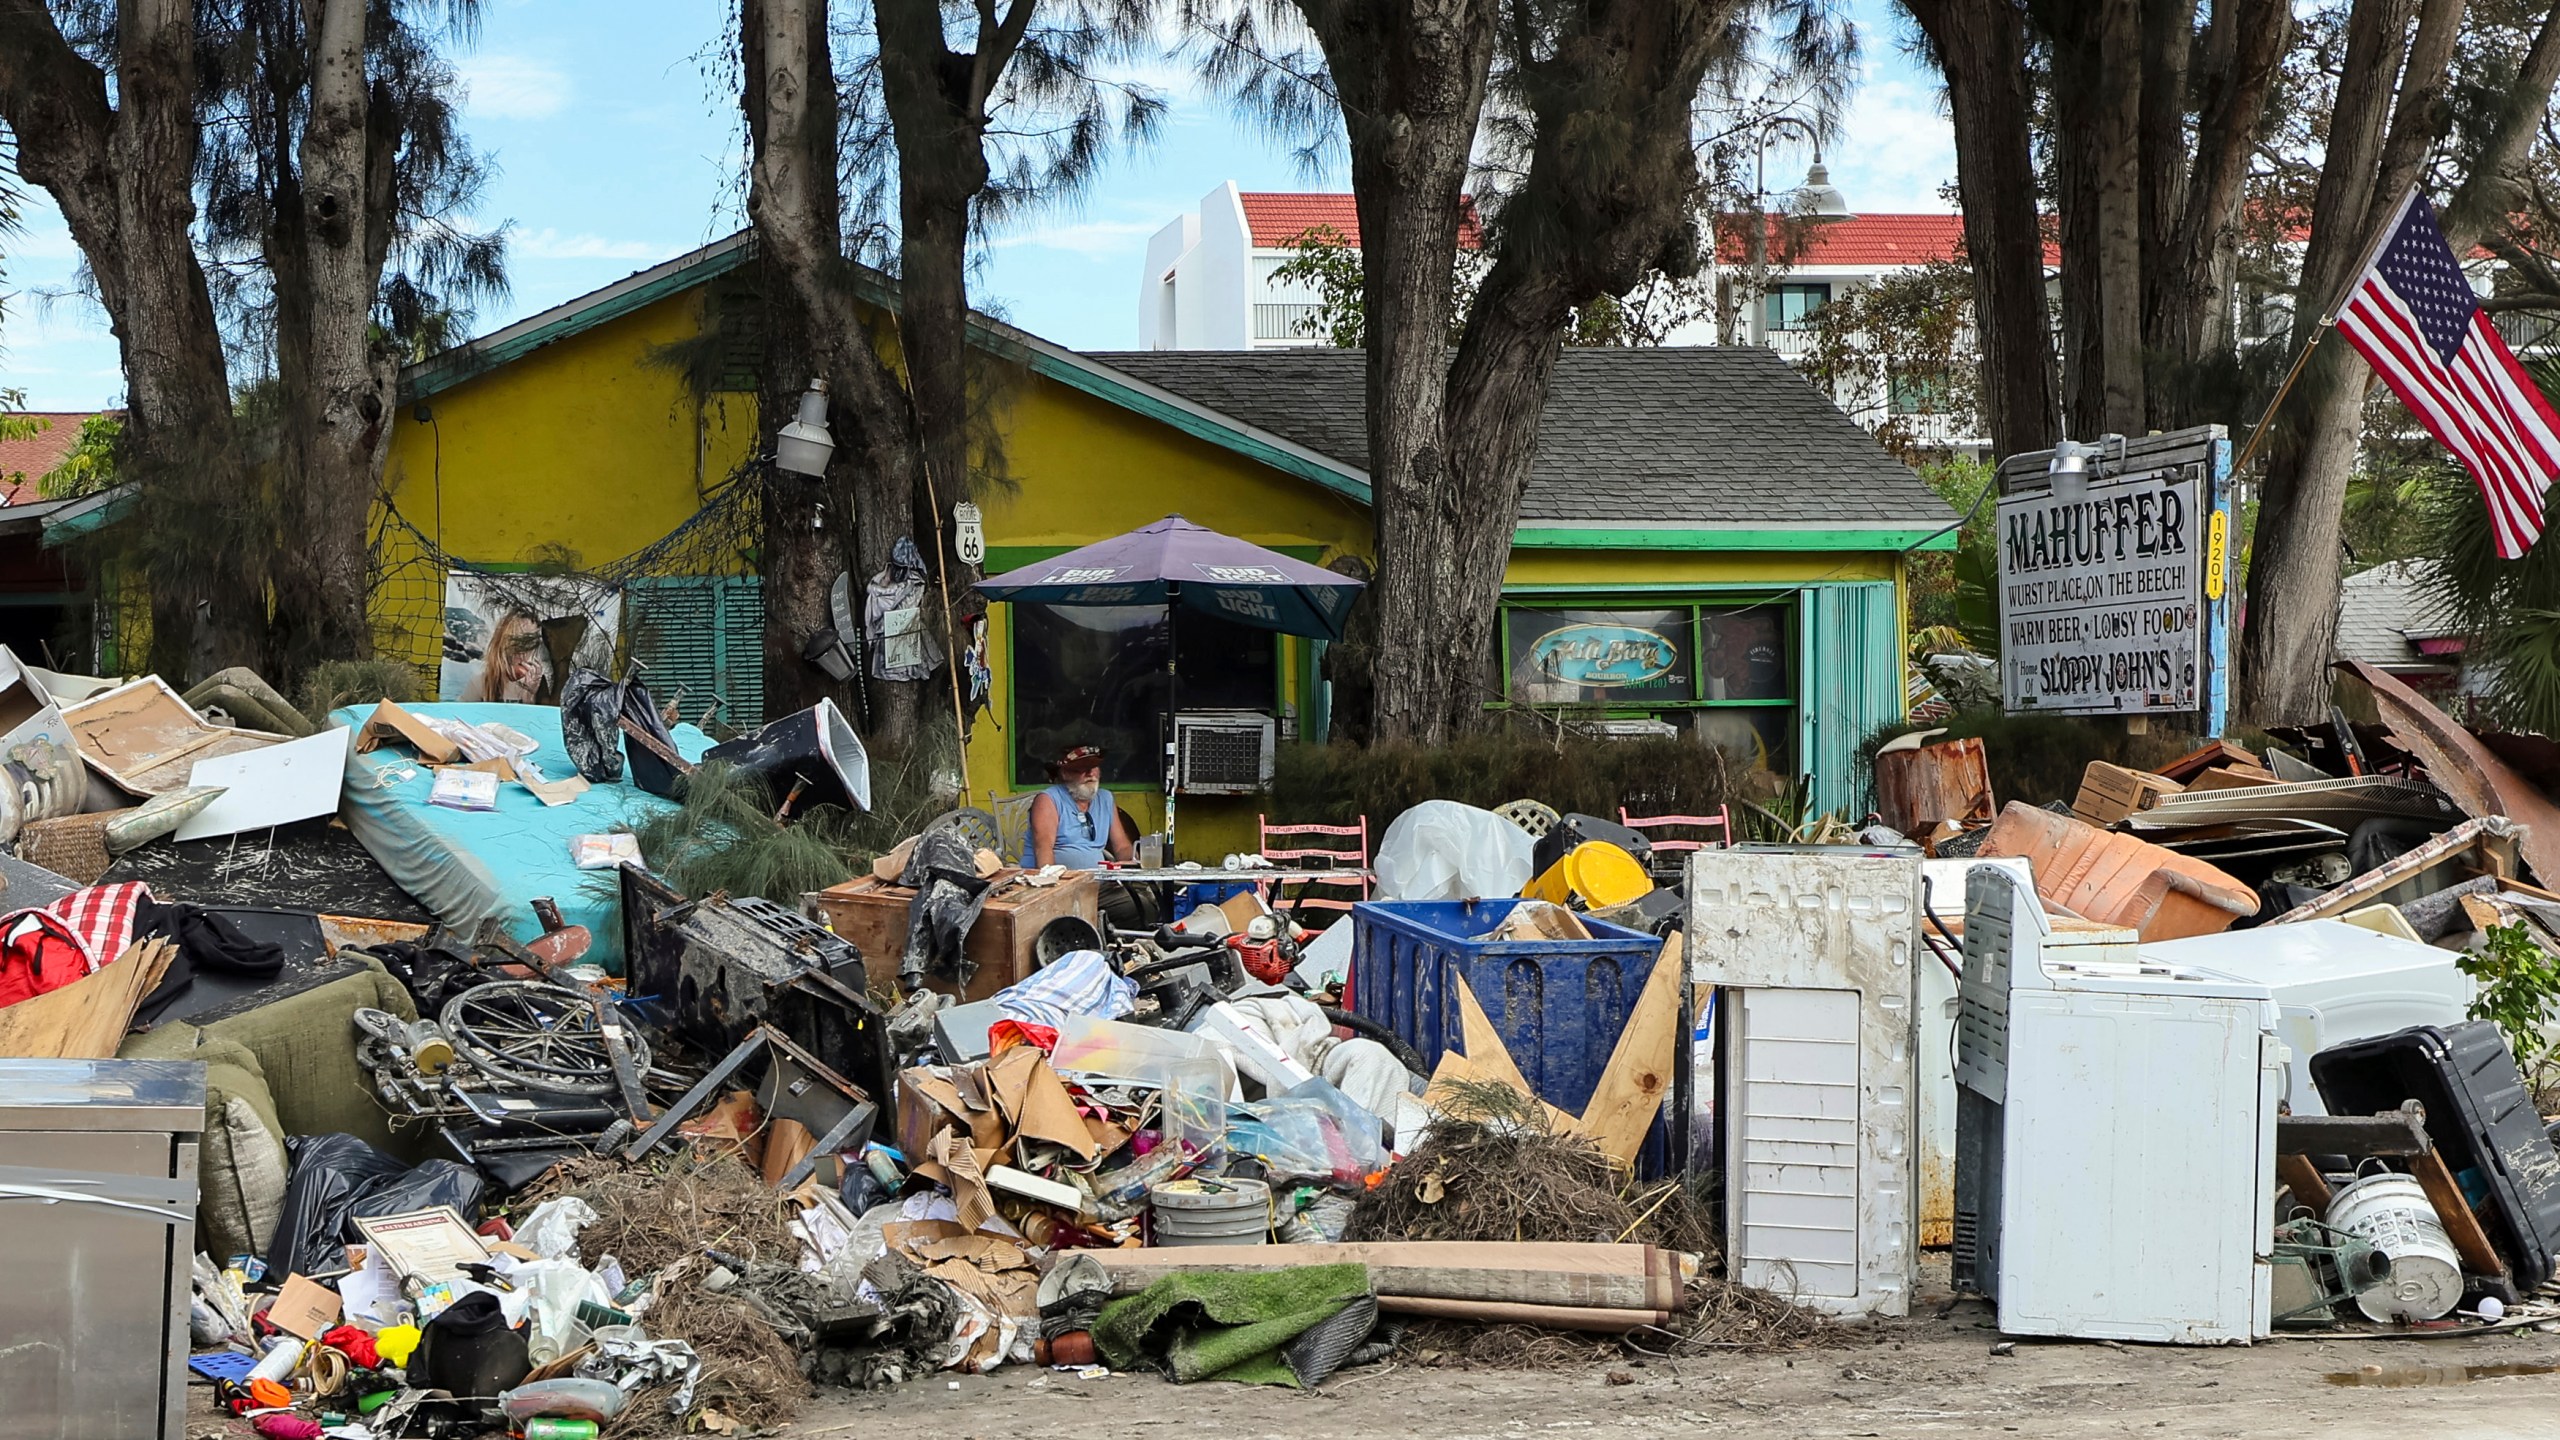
1442	850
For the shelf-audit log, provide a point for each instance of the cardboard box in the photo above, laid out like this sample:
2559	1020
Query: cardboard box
873	915
2108	793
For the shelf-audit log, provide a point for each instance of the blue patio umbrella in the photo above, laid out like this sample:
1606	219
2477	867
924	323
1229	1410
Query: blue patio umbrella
1180	566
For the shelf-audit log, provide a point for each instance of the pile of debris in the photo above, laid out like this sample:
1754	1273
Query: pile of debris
573	1148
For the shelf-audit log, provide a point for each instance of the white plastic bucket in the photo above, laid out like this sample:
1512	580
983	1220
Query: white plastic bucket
1188	1212
2392	1212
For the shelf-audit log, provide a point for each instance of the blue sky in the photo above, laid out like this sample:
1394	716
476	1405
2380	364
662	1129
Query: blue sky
616	149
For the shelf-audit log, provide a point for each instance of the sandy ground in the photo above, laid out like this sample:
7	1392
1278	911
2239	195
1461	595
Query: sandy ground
1925	1377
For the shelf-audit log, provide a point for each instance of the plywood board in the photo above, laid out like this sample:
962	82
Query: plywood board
86	1019
1639	1073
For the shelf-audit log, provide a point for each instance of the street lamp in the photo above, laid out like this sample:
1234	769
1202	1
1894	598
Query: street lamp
1822	200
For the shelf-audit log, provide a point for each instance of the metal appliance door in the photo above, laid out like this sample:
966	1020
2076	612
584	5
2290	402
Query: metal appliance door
86	1311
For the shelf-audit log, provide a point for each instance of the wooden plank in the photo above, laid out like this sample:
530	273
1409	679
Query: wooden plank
2454	1213
1619	1277
1548	1317
2303	1177
1630	1091
86	1019
2213	753
2398	1132
1441	1095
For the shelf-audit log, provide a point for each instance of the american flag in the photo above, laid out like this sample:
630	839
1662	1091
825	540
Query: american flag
2413	316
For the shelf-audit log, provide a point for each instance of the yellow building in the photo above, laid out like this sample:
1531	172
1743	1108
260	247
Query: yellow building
1707	542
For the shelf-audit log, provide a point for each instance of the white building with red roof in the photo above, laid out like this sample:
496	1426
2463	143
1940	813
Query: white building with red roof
1209	282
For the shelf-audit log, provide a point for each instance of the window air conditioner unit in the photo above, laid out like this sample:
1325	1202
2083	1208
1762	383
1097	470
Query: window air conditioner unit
1222	752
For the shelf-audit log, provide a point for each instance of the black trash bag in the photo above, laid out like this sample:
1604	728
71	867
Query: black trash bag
335	1178
943	871
433	970
592	710
470	1351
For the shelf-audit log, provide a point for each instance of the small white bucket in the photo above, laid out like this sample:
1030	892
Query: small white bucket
2392	1212
1189	1212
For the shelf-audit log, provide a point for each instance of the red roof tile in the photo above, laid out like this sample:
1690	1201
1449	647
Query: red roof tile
1278	218
23	461
1881	240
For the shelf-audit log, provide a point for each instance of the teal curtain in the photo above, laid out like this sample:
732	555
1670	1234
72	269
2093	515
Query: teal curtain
1852	686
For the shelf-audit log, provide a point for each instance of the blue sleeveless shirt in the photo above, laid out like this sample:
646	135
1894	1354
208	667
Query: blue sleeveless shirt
1084	836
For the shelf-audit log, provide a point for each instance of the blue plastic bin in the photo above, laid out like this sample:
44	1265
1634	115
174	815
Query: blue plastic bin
1560	1004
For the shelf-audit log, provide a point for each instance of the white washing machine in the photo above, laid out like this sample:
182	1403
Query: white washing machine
2116	1131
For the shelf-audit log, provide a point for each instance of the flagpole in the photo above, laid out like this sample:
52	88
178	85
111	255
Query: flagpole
2259	431
2328	322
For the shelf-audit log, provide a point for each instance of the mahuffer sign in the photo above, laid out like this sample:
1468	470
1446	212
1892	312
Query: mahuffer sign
2101	593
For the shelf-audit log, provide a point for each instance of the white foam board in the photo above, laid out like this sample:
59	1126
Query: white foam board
274	786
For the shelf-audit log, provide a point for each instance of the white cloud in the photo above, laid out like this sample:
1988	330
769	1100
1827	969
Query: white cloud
1897	149
549	244
1089	238
514	87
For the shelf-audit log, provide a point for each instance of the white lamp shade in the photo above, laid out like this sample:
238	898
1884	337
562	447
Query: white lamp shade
803	448
1820	198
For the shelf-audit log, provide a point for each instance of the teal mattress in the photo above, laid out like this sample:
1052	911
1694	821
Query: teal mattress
469	866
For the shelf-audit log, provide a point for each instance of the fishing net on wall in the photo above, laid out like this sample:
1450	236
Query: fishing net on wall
684	612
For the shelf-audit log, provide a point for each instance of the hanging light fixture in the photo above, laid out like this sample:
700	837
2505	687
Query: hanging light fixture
804	445
2068	470
1819	198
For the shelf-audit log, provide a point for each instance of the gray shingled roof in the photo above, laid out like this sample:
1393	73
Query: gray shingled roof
1692	436
2379	609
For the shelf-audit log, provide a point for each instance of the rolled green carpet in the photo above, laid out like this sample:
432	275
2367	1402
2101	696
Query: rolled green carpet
1231	1325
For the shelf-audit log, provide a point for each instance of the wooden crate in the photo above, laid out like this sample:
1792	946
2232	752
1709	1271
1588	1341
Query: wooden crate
873	915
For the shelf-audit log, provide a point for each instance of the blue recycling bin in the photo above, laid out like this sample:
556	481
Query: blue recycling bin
1559	1004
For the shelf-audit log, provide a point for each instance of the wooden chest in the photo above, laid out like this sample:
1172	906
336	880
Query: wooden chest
873	915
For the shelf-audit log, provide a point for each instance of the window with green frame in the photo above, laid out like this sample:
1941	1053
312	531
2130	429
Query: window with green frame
1723	670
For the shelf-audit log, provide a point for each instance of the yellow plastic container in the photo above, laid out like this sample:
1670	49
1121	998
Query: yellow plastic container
1597	873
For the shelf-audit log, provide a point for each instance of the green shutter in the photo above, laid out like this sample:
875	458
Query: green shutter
1852	686
703	635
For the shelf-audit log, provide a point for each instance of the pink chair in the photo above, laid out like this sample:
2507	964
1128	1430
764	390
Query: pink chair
1307	848
1721	823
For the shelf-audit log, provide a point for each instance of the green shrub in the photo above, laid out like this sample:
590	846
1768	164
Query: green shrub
333	683
1338	782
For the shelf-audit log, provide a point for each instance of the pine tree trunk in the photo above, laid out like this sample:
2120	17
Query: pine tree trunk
1981	45
936	100
2378	136
123	178
343	418
1412	81
814	528
2189	301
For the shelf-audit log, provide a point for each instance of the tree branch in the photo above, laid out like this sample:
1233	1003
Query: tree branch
56	103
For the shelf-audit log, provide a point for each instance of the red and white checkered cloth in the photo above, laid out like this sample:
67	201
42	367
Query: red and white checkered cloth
100	918
47	948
